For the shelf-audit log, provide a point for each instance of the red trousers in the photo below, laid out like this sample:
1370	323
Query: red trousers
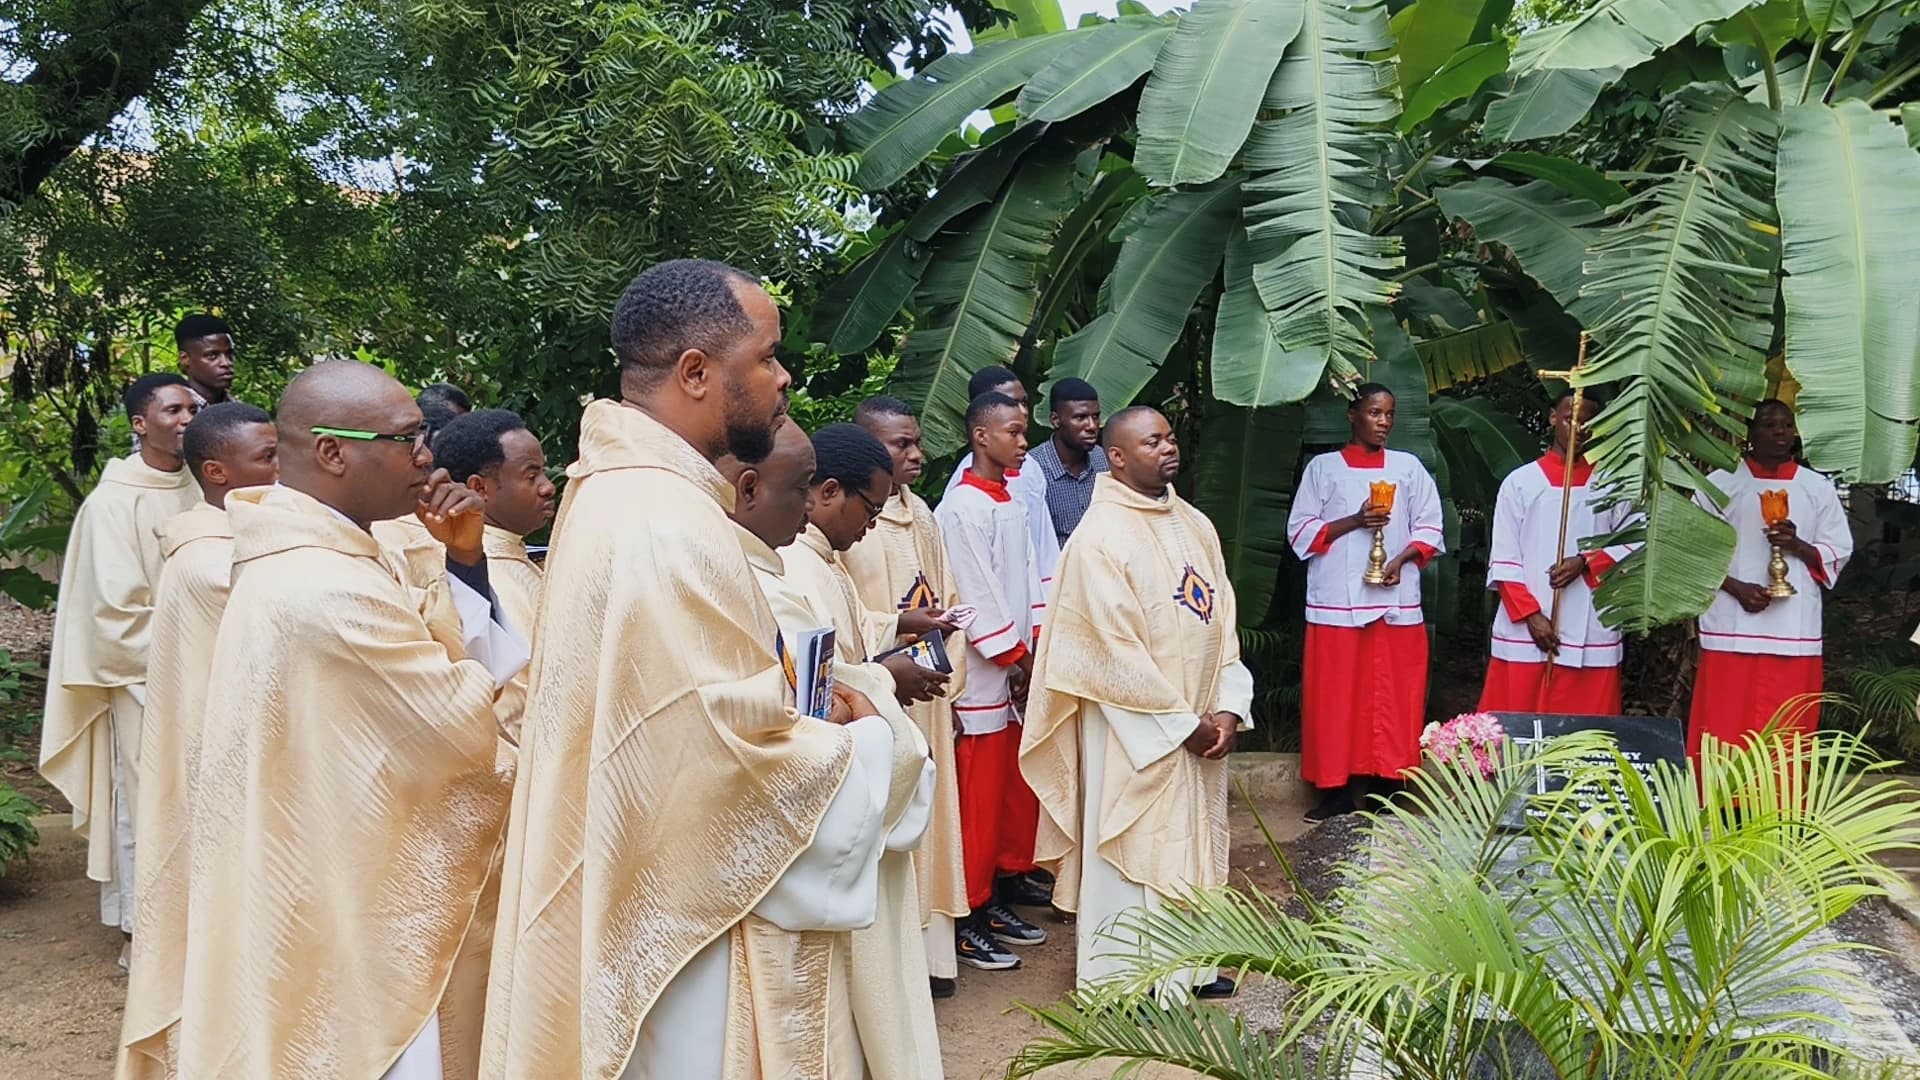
1517	686
999	815
1363	701
1735	694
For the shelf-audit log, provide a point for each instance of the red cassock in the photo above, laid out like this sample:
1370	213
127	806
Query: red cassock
1364	685
1515	686
1735	694
999	815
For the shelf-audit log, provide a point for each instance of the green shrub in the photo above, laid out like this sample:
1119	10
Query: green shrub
17	833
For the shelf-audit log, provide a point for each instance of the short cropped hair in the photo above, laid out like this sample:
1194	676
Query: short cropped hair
881	405
982	404
195	327
1071	389
991	377
1119	419
213	431
440	403
674	306
470	445
850	454
139	393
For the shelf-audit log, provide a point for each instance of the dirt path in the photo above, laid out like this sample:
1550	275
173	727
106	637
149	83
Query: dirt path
61	989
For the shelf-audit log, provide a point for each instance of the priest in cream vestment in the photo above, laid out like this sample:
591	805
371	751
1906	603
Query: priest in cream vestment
346	802
899	571
1138	691
96	679
808	589
230	445
492	452
685	851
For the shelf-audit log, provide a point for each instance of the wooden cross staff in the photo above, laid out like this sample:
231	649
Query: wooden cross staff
1566	486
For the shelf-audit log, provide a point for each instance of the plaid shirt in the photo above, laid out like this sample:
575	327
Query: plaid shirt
1067	495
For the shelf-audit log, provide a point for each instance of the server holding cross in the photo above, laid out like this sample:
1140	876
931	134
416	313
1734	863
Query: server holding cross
1562	659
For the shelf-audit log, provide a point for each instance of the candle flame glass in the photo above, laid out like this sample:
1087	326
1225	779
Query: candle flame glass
1773	507
1380	495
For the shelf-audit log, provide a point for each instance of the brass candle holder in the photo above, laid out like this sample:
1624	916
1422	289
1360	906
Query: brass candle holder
1773	511
1380	495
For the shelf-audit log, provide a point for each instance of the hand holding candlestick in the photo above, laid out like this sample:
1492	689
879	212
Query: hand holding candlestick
1782	533
1376	514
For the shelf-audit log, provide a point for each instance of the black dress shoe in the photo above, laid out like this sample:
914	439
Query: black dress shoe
942	988
1014	889
1219	988
1337	802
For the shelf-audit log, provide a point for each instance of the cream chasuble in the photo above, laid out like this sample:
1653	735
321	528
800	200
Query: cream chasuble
682	845
90	744
347	807
517	585
1141	641
188	600
893	1016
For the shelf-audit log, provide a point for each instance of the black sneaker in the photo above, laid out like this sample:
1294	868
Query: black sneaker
1219	988
1021	890
970	946
941	988
1011	929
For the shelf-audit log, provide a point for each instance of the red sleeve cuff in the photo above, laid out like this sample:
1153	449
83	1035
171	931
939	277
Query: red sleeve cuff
1423	552
1598	563
1518	601
1818	568
1321	542
1012	656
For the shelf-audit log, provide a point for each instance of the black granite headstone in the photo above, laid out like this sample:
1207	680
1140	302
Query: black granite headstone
1643	741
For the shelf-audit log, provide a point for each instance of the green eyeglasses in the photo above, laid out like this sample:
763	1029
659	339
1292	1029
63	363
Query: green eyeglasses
416	439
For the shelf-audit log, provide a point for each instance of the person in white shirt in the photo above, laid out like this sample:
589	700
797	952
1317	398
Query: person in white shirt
1526	536
1760	655
1025	482
989	549
1364	684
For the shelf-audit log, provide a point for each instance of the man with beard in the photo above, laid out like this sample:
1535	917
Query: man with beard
899	571
96	679
1138	692
1072	458
229	446
346	803
686	851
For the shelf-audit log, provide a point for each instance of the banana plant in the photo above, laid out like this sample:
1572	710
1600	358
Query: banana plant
1266	198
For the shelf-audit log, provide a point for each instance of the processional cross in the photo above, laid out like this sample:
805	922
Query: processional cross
1571	377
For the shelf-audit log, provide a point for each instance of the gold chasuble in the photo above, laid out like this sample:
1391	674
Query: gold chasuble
95	680
901	564
1142	622
347	807
517	585
894	1019
188	600
665	785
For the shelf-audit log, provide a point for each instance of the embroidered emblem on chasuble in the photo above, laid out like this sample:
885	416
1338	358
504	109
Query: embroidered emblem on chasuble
920	594
1195	594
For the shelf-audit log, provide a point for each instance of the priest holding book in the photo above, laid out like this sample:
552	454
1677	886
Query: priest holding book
1138	693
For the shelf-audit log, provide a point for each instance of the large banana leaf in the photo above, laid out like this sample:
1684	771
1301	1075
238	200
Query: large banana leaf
855	309
1164	263
1849	201
1482	445
1542	104
973	180
978	296
1683	558
1432	32
1458	79
1243	482
1200	101
1473	353
1113	195
1679	296
1249	366
907	121
1315	171
1547	230
1108	61
1618	33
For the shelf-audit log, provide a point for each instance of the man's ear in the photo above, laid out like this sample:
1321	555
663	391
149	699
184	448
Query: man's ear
478	485
746	490
139	423
828	489
214	472
694	371
329	452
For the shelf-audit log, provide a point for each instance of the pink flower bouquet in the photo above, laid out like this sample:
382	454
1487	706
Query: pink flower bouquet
1474	734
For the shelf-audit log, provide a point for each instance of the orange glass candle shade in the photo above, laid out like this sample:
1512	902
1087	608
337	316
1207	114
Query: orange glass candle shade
1773	507
1380	495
